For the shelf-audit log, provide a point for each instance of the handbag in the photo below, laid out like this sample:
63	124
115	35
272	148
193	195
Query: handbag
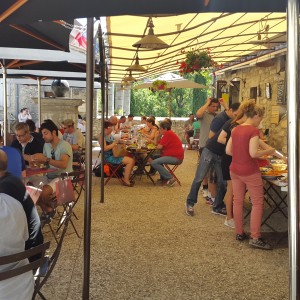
33	192
64	191
119	150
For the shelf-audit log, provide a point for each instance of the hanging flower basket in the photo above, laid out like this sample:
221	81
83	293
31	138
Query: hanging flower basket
197	61
160	85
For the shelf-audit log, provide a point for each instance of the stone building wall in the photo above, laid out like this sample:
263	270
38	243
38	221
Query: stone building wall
258	77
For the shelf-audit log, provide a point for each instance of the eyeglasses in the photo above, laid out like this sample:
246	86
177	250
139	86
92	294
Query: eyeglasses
52	154
20	135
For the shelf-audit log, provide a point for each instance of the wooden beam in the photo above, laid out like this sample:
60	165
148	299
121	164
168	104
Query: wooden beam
38	37
12	9
17	64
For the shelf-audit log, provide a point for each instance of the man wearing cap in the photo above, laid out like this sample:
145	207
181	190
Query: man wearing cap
57	154
72	135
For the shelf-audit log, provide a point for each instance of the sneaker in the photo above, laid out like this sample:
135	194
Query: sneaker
241	237
229	223
190	210
260	243
46	218
221	212
204	193
171	182
161	181
209	201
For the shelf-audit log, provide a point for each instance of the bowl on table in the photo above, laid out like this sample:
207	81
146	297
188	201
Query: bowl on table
279	167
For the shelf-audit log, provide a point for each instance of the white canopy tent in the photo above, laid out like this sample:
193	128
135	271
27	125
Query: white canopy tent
174	81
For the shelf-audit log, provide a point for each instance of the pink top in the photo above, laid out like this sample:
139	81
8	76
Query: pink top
242	163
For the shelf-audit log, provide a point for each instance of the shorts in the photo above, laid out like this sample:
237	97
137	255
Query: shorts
190	133
225	164
39	181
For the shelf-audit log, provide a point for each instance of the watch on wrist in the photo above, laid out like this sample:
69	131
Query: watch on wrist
48	160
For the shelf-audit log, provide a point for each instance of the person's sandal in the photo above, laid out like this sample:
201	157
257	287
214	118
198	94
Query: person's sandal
131	184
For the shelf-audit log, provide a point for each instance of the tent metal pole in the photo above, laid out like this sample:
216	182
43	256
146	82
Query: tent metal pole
5	127
88	156
103	101
39	102
293	143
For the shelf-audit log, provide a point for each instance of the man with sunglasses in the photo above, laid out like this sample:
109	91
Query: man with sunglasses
57	154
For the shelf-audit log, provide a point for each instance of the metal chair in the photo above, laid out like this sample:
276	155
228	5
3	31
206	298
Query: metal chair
78	183
171	169
115	171
17	257
41	279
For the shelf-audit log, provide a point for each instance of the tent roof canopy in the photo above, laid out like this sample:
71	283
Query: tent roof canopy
24	11
231	38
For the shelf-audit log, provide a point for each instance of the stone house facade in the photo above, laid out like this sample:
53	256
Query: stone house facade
266	83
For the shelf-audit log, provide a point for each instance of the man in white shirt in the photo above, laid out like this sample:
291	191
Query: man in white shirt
13	235
73	136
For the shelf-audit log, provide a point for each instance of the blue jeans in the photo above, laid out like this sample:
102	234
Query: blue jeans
207	160
158	163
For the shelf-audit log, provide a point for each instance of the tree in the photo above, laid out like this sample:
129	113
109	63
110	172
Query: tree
183	101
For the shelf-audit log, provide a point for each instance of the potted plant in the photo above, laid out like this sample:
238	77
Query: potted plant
197	61
161	85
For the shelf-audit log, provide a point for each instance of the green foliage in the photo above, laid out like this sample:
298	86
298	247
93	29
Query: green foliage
183	101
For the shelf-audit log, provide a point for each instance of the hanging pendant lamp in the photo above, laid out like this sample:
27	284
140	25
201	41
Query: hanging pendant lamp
136	67
150	41
129	78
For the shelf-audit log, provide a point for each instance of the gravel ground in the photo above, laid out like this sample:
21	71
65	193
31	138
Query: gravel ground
143	246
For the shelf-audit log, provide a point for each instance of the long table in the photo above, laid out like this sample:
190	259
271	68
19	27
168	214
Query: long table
275	194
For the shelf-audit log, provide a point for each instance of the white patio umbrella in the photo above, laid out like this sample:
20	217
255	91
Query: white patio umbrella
174	81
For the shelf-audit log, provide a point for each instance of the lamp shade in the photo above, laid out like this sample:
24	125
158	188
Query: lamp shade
129	78
136	67
150	41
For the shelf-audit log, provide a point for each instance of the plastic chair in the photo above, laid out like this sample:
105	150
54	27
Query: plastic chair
171	169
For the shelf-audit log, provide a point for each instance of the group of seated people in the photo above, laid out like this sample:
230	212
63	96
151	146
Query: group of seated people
161	135
31	149
47	146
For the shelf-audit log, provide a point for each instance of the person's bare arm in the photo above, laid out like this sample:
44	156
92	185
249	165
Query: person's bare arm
229	147
203	108
62	163
222	137
254	148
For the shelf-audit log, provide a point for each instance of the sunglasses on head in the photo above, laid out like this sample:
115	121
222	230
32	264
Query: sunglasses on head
52	154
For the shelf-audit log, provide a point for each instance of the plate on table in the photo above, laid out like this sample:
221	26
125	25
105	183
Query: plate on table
269	177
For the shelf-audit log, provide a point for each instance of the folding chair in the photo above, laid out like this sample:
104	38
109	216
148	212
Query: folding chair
114	172
171	169
17	257
41	278
78	183
79	160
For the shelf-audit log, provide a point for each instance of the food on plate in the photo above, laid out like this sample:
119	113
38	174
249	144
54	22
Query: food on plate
264	169
279	167
151	146
274	173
